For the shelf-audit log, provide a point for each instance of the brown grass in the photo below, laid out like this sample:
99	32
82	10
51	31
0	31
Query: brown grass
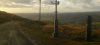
69	35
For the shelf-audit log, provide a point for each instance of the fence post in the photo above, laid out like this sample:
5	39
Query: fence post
89	29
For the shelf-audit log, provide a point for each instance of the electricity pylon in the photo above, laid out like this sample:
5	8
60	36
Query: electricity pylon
56	32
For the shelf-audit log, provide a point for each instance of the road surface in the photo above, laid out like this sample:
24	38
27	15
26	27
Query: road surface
11	35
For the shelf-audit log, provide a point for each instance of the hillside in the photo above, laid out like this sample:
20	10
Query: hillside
11	22
70	34
7	17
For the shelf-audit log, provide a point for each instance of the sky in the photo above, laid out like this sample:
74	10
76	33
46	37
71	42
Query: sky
31	6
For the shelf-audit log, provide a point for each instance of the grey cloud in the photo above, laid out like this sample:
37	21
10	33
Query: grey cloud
16	3
65	3
23	1
49	2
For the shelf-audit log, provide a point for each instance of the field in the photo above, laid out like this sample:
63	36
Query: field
72	29
69	33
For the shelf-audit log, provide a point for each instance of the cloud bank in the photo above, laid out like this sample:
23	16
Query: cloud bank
66	3
73	5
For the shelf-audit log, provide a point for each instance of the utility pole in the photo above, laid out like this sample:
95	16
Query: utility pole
89	29
39	10
56	32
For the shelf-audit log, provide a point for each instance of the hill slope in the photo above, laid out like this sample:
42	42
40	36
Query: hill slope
7	17
70	35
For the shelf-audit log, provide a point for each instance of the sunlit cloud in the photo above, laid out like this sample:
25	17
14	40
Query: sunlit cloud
65	5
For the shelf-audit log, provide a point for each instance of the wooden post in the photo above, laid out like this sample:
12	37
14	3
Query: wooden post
89	29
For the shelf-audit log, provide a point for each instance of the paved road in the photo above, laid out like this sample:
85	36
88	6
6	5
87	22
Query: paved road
13	36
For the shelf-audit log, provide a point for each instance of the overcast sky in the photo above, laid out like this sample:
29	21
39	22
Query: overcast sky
19	6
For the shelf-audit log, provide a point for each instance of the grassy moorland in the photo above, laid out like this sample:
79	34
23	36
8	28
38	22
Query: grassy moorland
41	32
69	35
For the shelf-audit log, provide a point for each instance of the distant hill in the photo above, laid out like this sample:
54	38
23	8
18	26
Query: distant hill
79	17
74	17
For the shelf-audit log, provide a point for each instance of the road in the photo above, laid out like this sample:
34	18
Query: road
13	36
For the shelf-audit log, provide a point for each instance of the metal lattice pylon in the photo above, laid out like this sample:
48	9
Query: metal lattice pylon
56	32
